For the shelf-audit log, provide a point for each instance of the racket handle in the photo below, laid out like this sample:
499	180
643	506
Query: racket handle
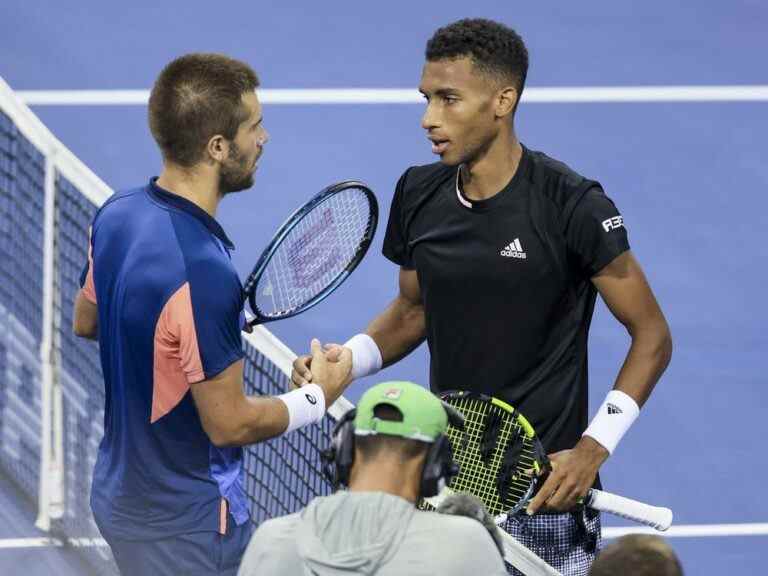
654	516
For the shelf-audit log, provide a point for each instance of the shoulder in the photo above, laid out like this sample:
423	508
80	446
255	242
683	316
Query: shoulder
120	204
449	522
556	180
276	534
277	529
458	536
427	176
420	183
200	249
272	545
458	528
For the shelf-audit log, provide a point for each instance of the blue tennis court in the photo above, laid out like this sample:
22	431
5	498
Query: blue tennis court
688	172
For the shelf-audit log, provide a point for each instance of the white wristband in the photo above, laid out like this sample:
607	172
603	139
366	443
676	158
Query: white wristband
613	419
366	356
306	405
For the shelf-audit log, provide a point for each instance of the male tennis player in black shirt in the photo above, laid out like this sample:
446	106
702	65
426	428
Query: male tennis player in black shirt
502	251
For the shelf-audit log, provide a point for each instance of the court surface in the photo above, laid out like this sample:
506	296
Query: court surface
689	176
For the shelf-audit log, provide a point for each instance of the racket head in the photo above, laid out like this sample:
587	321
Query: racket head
313	252
481	452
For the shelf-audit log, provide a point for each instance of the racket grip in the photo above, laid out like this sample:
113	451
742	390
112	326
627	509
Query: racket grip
654	516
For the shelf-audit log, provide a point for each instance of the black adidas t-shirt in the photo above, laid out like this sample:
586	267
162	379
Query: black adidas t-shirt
506	284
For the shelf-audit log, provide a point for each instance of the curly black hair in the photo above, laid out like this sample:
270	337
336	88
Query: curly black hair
495	49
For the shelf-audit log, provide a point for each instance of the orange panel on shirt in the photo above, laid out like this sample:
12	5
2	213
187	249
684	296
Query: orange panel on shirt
177	362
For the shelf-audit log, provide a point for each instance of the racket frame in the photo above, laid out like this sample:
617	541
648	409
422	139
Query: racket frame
249	289
656	517
526	427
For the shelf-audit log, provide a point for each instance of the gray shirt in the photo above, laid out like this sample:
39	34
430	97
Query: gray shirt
369	533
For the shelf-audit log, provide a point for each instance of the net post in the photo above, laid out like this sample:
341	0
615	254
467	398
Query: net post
50	494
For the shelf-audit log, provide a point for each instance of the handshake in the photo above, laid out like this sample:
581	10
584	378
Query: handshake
329	366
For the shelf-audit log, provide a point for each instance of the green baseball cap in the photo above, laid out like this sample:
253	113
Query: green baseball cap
424	417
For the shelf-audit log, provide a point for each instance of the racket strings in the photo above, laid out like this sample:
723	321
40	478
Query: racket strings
482	477
508	468
314	253
491	425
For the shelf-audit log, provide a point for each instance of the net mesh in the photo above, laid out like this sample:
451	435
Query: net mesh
281	475
79	370
22	195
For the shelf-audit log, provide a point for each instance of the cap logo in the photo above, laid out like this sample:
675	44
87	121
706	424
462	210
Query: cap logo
393	393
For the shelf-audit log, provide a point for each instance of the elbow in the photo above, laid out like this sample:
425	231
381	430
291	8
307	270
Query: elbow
225	436
660	341
666	345
654	341
84	331
221	441
220	437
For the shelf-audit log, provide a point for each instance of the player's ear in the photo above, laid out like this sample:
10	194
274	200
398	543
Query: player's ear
217	148
506	100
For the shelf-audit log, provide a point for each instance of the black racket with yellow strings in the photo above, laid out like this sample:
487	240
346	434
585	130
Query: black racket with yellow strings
502	461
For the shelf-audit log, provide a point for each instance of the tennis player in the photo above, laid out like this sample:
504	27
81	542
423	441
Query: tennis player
374	527
162	295
502	251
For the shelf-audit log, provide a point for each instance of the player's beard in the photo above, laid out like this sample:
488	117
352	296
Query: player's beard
236	172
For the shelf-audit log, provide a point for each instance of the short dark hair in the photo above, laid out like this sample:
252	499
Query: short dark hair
495	49
196	97
637	555
371	446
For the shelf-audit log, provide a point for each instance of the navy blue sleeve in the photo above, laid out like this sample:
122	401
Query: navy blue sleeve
217	305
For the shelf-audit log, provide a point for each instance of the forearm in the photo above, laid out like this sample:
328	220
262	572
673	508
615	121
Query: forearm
85	322
398	330
254	419
646	360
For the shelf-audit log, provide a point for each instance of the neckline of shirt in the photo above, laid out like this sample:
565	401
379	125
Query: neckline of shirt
172	200
488	203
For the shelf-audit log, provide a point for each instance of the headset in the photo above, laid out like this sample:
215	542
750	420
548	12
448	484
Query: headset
439	465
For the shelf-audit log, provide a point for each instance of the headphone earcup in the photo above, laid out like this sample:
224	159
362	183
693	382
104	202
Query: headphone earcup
341	454
345	453
439	467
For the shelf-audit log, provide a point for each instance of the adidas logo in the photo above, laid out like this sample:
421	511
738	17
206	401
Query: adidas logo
613	409
514	250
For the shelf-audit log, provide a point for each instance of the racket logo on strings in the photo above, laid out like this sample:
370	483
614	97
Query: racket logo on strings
313	252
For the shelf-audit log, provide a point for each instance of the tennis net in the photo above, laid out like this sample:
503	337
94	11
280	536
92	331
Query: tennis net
51	388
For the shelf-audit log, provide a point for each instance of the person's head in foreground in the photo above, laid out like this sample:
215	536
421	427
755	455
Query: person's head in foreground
394	442
206	118
637	555
388	452
472	80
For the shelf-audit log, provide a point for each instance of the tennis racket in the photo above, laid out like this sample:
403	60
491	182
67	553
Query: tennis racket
313	252
501	461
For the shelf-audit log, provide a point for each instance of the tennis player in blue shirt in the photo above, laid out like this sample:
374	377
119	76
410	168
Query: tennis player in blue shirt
161	295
